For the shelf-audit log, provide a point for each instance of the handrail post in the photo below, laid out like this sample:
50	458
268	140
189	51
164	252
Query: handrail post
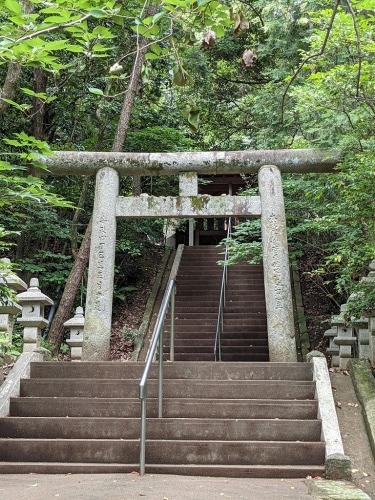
172	316
160	381
222	301
157	342
142	444
221	330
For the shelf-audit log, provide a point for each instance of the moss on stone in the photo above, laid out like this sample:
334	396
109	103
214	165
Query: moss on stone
363	380
198	202
364	385
335	490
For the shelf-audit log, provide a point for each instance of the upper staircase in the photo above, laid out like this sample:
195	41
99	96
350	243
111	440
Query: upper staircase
198	284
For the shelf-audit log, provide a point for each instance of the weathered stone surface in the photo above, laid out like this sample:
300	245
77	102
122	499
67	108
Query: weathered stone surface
75	340
188	184
280	321
101	269
11	387
335	490
338	466
46	353
150	307
313	354
211	162
33	302
337	463
364	385
202	206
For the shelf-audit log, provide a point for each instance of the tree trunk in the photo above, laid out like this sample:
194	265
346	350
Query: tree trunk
70	291
77	215
10	85
13	75
129	98
67	300
39	108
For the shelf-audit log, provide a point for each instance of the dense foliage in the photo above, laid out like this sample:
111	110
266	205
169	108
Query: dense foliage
216	75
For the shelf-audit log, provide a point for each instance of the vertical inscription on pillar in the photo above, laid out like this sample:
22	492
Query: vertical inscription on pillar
280	323
98	304
275	270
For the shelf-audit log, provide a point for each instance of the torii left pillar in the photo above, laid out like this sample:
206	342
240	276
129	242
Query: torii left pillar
278	291
98	321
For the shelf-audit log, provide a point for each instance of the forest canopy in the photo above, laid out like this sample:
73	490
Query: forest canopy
181	75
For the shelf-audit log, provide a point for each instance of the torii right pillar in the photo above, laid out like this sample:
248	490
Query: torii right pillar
278	290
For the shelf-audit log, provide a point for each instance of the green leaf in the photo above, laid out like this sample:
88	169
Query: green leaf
12	142
39	95
158	16
19	21
56	45
13	6
98	47
51	10
180	77
180	3
20	107
55	20
96	91
98	13
150	55
118	20
75	48
156	49
194	118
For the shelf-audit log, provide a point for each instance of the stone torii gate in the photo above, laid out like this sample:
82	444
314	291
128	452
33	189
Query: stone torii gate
109	205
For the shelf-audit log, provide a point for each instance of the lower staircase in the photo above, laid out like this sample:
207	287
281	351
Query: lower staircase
219	419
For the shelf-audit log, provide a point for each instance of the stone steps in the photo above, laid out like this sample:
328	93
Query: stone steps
163	451
220	419
196	310
213	371
224	342
235	348
158	428
176	407
204	345
229	309
187	331
254	471
173	388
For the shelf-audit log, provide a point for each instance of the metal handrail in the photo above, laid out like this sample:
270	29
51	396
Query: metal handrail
156	341
220	316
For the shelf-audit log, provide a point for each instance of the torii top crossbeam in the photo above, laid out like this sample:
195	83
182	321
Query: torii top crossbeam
211	162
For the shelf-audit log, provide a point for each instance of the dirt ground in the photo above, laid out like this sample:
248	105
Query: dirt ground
353	431
150	487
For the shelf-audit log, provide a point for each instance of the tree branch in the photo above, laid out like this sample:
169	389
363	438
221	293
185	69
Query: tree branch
244	82
255	11
312	56
51	29
358	43
131	91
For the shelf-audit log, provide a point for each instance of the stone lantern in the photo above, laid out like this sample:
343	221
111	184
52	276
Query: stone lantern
344	339
370	314
333	349
10	309
361	327
75	340
32	319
